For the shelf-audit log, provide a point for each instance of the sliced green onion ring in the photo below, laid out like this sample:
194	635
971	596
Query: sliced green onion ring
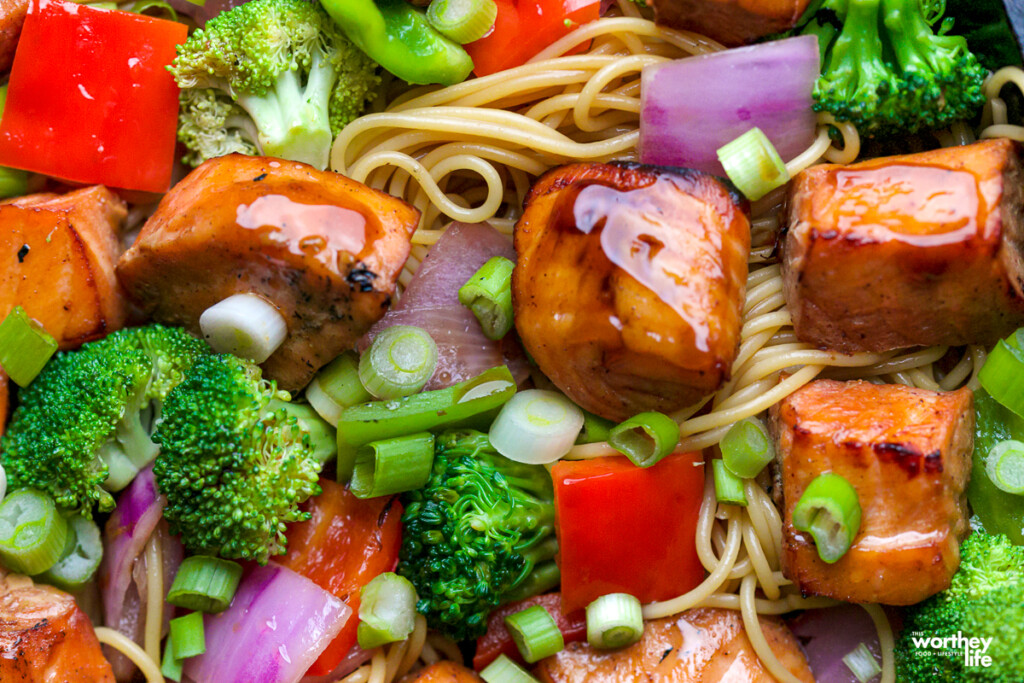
1004	465
337	387
188	636
82	556
830	512
536	427
399	362
33	534
535	633
1002	375
245	325
25	347
504	670
143	6
595	429
462	20
489	292
169	666
862	663
747	448
613	621
383	468
645	438
205	584
387	610
753	164
728	487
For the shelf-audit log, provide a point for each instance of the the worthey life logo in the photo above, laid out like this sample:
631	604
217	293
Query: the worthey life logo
970	650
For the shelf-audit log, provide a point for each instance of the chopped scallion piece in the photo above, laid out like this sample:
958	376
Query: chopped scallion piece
536	427
169	666
862	663
830	512
143	6
3	483
645	438
462	20
33	534
387	610
82	556
613	621
504	670
747	448
535	633
728	487
399	362
753	164
245	325
384	468
205	584
337	387
489	292
25	347
1002	375
188	636
1005	466
595	429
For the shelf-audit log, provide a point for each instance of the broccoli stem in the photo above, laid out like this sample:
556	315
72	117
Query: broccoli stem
292	120
130	450
543	578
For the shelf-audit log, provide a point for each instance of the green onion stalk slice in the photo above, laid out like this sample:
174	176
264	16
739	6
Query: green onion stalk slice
728	487
188	636
1002	375
337	387
536	427
489	292
830	512
613	621
399	362
169	666
384	468
862	663
595	429
25	347
33	534
504	670
462	20
1005	466
387	610
747	448
645	438
535	633
82	556
245	325
205	584
472	403
753	164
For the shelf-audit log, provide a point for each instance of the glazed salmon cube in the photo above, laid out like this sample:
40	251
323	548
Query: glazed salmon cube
907	452
730	22
444	672
57	256
923	249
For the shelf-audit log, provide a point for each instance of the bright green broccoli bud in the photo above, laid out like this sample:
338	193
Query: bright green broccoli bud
236	460
270	77
478	534
82	428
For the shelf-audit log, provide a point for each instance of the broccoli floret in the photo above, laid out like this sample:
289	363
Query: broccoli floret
480	533
885	69
236	459
83	426
270	77
985	600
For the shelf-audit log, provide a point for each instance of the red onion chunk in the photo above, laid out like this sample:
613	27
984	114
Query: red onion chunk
691	107
277	625
431	302
830	634
355	658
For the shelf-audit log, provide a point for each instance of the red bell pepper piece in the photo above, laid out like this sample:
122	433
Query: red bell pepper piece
90	99
497	640
525	27
626	529
342	548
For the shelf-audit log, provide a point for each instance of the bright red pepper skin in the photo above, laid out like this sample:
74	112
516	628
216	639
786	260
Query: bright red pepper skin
90	99
525	27
497	640
625	529
342	548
